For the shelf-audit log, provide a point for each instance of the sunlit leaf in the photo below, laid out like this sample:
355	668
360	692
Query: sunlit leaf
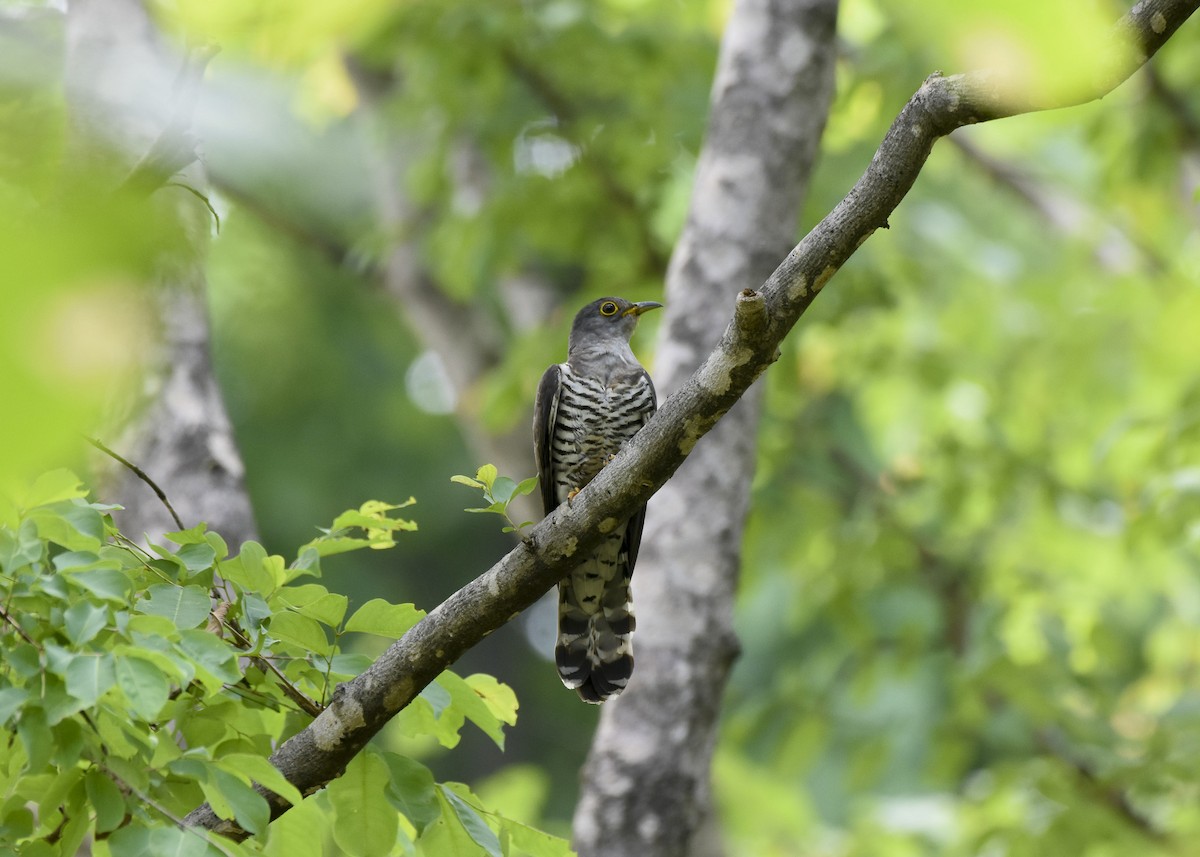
379	617
365	823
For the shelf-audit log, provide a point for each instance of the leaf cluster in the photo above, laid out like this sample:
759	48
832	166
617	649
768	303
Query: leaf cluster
141	680
498	493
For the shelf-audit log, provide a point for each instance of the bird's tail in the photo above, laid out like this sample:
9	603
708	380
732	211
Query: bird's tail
595	624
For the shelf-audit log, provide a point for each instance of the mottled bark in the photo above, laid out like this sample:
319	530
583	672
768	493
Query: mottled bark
130	103
761	320
646	781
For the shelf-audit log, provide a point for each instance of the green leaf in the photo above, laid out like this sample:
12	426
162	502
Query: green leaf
497	696
533	842
197	557
11	700
121	738
418	719
36	737
196	535
412	790
133	840
185	606
471	704
328	609
250	808
487	475
104	583
502	489
254	570
312	600
88	677
24	660
301	630
468	481
333	545
73	834
16	824
525	486
365	824
262	772
84	620
300	832
52	487
438	697
55	793
69	741
144	685
220	549
84	518
308	561
213	656
106	799
496	508
81	560
70	523
384	619
471	822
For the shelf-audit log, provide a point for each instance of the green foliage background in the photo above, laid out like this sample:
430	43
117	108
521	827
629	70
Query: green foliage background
969	606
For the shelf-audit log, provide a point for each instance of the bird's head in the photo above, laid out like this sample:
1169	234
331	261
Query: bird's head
608	319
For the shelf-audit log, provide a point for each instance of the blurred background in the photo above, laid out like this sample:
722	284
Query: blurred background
970	605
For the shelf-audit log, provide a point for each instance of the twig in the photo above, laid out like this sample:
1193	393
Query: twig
204	199
140	474
309	706
11	621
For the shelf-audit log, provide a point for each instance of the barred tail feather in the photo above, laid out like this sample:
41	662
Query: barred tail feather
594	653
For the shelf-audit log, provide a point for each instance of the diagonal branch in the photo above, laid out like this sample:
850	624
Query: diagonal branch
761	320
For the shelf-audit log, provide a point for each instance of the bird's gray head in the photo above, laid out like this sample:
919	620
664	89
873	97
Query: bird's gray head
606	320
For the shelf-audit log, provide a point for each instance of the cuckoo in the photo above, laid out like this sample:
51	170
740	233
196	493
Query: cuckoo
585	411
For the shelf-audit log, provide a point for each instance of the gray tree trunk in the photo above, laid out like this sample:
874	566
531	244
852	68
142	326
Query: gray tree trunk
646	782
130	101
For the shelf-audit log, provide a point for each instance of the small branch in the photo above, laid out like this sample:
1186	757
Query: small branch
21	631
140	474
217	620
307	705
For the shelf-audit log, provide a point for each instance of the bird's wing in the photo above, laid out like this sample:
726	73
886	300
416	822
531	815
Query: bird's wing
545	414
633	532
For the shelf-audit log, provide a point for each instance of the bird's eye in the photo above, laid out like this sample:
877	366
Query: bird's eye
608	308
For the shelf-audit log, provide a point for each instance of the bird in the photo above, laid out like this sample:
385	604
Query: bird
585	410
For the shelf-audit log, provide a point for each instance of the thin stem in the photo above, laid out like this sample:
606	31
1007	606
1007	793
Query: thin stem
140	474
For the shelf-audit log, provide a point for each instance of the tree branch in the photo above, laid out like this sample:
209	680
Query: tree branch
361	707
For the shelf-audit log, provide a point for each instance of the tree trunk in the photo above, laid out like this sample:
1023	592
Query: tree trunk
646	782
130	102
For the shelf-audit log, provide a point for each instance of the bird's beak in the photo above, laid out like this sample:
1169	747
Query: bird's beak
643	306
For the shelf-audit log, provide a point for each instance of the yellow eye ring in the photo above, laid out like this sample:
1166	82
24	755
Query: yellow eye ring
608	308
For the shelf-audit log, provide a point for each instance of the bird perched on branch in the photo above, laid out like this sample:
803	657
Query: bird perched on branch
586	409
